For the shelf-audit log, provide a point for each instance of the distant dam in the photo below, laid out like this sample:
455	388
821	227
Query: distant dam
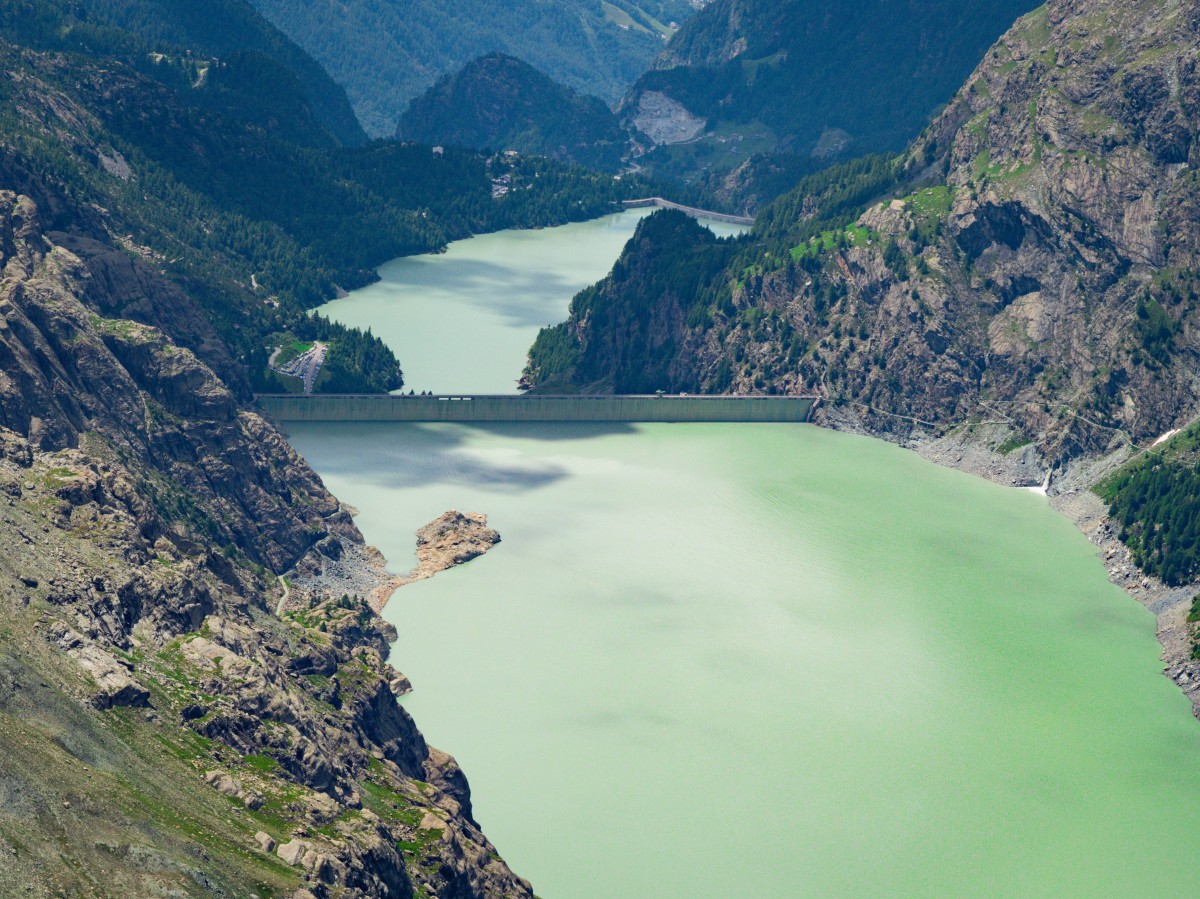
539	408
659	202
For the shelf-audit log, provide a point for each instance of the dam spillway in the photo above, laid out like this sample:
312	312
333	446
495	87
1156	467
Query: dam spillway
536	408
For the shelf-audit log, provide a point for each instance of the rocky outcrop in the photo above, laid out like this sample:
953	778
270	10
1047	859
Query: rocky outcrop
115	685
451	539
121	286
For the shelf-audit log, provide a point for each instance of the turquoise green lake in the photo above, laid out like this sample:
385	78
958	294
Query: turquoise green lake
462	321
775	661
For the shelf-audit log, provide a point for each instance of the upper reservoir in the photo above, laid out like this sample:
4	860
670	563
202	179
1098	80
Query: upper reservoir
462	321
754	660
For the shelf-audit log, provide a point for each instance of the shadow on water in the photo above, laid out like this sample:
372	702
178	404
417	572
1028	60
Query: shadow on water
396	456
472	275
523	302
555	430
464	274
531	312
619	719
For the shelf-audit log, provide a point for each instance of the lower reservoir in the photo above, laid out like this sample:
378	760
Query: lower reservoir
775	661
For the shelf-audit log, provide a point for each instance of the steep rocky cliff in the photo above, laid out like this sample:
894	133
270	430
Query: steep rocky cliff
164	731
1031	261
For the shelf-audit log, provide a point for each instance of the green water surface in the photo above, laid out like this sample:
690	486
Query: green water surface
772	660
753	660
462	321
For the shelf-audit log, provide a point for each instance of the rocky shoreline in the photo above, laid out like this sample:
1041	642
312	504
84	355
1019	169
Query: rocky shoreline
1069	491
452	539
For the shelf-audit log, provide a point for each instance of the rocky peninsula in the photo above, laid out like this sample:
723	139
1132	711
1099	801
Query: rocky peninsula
451	539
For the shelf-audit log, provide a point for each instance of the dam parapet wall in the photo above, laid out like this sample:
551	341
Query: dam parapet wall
517	408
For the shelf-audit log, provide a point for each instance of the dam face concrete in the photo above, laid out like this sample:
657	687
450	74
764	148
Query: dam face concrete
492	408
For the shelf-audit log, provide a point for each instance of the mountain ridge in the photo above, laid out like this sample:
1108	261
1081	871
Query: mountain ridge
1025	197
387	54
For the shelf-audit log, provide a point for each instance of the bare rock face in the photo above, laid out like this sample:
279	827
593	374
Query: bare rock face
292	852
116	686
665	120
223	783
143	514
1070	222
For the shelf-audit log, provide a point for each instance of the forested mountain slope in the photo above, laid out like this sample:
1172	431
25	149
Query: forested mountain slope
1034	258
817	79
500	102
233	30
266	218
386	52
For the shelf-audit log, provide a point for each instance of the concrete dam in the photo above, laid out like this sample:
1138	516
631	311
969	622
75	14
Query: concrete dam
539	408
660	203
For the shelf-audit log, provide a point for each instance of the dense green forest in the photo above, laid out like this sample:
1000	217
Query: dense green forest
1155	501
499	101
818	79
829	199
236	33
261	224
669	262
386	53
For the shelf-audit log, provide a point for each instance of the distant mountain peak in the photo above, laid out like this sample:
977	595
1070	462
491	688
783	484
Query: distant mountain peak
500	102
